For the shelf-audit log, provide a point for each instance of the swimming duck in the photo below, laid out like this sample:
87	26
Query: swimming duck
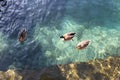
83	44
68	36
22	35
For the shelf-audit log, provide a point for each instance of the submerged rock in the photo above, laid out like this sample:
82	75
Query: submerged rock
108	69
10	75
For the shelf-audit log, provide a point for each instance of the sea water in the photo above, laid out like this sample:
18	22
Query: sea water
46	20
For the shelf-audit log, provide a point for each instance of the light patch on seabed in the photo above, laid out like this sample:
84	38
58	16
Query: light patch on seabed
3	44
104	41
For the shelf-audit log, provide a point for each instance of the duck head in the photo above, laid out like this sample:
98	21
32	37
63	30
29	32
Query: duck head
61	36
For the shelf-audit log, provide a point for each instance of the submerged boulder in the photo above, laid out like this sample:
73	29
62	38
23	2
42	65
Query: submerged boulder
99	69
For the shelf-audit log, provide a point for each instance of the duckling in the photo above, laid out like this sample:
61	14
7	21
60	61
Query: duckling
68	36
83	44
22	35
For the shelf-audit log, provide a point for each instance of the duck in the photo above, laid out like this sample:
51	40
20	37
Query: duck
68	36
22	35
83	44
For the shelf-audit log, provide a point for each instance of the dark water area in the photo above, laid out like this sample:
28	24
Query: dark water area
26	14
95	12
45	20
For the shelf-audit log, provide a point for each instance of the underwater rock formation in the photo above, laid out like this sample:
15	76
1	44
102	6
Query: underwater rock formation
108	69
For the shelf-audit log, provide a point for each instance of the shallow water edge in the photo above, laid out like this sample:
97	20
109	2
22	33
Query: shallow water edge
98	69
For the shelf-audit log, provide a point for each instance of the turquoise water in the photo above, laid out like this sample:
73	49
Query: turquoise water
46	20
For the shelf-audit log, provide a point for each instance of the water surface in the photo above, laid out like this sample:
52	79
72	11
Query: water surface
46	20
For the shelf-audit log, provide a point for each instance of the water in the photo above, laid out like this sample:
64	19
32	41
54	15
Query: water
46	20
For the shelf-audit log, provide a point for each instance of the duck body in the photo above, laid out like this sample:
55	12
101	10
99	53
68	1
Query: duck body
22	35
68	36
83	44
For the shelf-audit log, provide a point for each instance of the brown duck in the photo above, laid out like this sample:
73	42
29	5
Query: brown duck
83	44
22	35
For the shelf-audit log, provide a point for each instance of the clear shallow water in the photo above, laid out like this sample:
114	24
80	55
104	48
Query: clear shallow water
46	20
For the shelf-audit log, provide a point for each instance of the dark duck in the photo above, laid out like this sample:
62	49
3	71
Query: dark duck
22	35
